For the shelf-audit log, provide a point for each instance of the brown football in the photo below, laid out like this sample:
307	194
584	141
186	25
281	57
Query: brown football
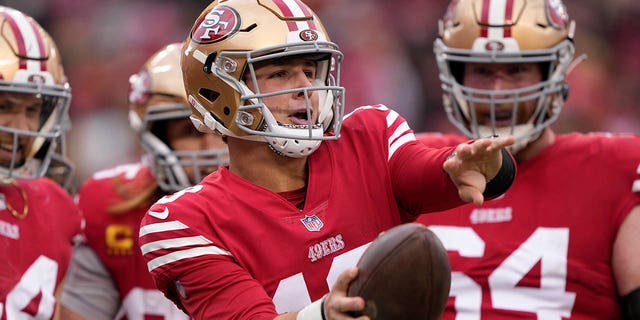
404	274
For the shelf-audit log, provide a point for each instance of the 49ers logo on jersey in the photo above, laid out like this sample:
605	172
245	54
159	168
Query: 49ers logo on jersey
218	24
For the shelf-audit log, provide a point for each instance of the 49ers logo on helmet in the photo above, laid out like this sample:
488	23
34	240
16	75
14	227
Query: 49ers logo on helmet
450	13
218	24
309	35
139	88
557	14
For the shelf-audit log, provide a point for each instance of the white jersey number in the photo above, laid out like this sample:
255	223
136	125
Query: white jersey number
292	293
39	279
140	303
549	246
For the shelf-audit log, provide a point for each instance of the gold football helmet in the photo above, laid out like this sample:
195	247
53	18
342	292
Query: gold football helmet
518	31
30	65
161	76
225	42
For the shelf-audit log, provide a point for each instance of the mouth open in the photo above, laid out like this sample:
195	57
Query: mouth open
299	119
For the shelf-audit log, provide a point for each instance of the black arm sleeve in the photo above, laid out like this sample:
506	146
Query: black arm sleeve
504	179
630	305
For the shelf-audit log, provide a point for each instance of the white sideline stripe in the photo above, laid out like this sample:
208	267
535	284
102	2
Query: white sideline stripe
174	243
399	143
184	254
161	227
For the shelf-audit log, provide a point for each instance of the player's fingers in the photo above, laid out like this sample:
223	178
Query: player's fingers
471	194
337	304
343	307
342	283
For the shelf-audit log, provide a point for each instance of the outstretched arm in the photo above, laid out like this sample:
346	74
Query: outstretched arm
472	167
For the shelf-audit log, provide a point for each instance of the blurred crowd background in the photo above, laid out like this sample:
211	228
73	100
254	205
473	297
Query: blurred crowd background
388	59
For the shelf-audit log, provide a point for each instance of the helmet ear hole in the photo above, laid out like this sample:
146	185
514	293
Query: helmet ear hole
209	94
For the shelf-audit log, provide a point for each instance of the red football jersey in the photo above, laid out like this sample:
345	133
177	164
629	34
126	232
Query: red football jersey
543	249
229	249
113	236
35	249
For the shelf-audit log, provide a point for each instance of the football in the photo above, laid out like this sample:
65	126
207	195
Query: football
404	274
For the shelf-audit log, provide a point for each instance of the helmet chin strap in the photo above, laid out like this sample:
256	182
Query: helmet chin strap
290	147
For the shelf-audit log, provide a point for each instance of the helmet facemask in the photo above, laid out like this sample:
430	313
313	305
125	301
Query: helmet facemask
170	167
461	102
287	139
497	35
54	108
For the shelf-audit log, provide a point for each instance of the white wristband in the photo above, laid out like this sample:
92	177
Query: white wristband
314	311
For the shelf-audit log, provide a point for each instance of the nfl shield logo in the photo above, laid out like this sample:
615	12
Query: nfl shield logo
312	223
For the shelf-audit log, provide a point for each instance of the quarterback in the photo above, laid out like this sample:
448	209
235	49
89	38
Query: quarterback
276	233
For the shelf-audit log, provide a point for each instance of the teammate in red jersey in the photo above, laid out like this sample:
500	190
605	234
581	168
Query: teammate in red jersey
38	219
289	217
108	278
563	242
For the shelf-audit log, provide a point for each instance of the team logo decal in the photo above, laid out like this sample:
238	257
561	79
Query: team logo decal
36	78
218	24
557	14
450	14
312	223
308	35
139	88
494	46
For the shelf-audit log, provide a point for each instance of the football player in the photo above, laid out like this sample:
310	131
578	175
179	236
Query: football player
563	242
306	189
38	219
108	278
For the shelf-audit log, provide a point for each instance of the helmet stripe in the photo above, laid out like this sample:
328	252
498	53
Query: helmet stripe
496	19
484	18
295	9
508	18
17	35
29	42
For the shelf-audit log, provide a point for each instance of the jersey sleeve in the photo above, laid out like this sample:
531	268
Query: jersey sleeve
191	266
419	181
623	152
88	289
